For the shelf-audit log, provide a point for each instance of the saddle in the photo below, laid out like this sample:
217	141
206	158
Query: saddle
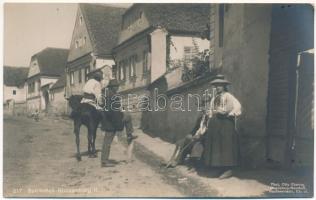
91	100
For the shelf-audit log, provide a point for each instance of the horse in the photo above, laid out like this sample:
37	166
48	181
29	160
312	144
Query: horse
87	115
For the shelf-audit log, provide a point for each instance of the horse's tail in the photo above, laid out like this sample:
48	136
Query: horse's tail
74	101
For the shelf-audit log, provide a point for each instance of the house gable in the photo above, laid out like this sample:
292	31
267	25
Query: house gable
134	21
186	18
80	43
34	68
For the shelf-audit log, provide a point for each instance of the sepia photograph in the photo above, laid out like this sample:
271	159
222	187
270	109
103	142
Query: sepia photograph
158	100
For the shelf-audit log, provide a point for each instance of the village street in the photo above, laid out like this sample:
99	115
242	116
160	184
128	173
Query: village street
39	161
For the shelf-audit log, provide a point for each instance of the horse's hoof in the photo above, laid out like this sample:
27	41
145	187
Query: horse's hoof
78	158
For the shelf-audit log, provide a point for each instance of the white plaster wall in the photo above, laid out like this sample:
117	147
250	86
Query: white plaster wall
45	81
158	53
101	62
33	104
8	94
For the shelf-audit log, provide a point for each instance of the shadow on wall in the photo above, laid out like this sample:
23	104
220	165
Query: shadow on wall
154	123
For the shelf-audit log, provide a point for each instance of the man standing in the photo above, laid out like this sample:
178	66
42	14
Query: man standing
114	120
221	145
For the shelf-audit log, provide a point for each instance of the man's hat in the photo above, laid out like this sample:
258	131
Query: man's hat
97	73
113	83
220	80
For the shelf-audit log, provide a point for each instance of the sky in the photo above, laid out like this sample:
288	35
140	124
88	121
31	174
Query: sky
31	27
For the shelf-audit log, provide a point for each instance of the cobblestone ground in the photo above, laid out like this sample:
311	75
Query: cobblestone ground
39	161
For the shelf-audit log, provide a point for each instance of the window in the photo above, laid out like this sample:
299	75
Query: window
77	44
145	62
189	53
125	69
31	87
71	78
39	85
80	19
86	72
114	70
84	40
79	76
221	25
122	70
14	92
118	72
132	66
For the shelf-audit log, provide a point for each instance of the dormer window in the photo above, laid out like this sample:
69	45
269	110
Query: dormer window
80	20
84	40
77	44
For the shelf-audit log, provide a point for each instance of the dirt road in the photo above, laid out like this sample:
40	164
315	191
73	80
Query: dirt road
39	161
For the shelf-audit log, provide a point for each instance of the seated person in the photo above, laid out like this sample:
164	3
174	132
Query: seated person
191	144
92	90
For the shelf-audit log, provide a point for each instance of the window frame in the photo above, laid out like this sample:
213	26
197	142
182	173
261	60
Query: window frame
145	62
79	76
72	78
86	72
52	96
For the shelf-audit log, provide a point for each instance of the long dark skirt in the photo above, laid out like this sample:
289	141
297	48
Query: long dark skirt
221	144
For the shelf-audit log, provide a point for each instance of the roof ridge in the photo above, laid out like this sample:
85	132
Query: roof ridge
59	48
103	5
11	66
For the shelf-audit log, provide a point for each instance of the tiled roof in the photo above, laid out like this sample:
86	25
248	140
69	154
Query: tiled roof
14	76
52	61
103	24
187	17
61	82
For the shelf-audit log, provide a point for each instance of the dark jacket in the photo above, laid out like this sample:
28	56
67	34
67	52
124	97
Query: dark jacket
112	118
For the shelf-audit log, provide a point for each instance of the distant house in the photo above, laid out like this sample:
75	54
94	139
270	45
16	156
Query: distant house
45	69
58	104
156	39
94	35
14	90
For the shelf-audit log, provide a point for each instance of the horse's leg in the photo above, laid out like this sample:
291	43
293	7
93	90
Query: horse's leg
94	135
90	141
77	125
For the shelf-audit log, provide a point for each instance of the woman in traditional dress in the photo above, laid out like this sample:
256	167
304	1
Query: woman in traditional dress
221	145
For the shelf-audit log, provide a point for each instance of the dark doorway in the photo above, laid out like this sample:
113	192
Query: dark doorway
46	98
